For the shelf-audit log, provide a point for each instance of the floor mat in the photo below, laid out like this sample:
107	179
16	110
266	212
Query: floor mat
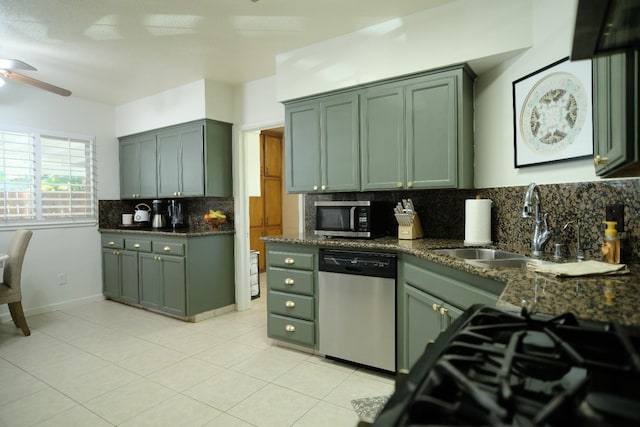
368	408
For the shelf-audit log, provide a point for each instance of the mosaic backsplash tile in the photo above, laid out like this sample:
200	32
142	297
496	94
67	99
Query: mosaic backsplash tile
442	213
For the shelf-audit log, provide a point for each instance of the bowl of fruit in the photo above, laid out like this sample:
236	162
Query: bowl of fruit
215	219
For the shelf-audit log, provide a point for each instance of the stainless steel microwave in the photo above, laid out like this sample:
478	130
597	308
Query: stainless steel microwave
363	219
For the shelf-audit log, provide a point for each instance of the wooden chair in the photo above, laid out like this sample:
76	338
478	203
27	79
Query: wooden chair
10	289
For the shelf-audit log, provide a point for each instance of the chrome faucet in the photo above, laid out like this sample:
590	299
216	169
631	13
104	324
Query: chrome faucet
541	233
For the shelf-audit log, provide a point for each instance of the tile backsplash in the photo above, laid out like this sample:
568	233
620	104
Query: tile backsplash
110	211
442	213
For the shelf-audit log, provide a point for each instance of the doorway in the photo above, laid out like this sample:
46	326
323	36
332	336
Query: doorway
272	212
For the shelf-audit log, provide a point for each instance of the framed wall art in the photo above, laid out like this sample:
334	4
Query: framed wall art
552	114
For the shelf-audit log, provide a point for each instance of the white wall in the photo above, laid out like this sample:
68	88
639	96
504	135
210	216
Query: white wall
458	31
193	101
517	36
74	251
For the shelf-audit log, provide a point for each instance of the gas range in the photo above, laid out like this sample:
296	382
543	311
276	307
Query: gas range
497	368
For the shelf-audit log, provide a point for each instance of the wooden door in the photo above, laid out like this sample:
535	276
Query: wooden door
265	211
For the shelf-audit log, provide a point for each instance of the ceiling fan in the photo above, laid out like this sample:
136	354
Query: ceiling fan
7	67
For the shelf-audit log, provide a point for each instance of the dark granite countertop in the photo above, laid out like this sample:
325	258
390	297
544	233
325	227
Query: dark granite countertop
181	232
600	298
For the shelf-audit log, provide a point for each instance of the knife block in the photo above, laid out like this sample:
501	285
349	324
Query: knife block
410	232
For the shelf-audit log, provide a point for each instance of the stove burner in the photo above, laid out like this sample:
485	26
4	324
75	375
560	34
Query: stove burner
496	368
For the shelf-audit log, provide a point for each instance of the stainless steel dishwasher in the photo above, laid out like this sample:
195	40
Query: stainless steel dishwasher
357	307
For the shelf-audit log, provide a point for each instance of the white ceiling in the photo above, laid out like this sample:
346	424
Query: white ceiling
116	51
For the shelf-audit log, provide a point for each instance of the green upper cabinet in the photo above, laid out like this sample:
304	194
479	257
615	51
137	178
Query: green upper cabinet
418	133
137	167
322	144
383	147
615	114
411	132
180	156
188	160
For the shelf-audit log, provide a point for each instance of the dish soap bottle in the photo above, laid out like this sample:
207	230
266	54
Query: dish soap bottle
611	244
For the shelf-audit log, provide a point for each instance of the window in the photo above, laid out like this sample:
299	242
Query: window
46	178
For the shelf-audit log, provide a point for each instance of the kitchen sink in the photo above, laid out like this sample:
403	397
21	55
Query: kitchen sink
479	253
493	258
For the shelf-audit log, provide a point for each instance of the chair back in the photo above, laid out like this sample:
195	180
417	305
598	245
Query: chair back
16	250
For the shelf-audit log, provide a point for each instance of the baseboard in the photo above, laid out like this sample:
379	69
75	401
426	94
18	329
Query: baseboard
5	317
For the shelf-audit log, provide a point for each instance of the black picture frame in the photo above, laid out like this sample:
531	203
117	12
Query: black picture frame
552	114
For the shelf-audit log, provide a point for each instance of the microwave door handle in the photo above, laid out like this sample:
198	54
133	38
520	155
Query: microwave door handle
352	218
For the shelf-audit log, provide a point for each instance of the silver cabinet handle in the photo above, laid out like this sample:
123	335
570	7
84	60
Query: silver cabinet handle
315	188
324	187
112	243
289	281
166	248
290	328
289	304
137	245
289	261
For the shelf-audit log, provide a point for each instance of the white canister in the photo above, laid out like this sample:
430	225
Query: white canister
127	219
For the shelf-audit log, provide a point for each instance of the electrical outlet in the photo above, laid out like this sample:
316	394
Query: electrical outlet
62	278
615	212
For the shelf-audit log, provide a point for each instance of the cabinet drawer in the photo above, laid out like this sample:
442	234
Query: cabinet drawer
289	280
291	260
301	332
291	305
115	243
138	245
168	248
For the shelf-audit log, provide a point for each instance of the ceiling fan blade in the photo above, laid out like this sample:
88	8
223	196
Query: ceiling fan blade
38	83
15	64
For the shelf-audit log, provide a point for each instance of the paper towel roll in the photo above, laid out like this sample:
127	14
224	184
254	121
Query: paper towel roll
477	222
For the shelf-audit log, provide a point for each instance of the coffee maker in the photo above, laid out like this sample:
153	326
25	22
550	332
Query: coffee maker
176	213
159	211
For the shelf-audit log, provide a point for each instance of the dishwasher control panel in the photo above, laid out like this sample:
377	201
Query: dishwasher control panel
375	264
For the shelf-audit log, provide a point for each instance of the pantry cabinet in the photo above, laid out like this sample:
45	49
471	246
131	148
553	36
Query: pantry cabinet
430	297
179	276
322	144
188	160
616	114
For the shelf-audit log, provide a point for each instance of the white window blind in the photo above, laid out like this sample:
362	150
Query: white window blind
46	178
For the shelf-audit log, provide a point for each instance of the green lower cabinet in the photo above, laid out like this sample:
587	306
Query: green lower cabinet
430	297
291	302
178	276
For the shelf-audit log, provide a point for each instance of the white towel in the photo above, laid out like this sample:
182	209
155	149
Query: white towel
584	268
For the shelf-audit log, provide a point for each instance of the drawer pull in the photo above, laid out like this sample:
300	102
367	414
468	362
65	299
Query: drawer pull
289	304
112	243
137	245
166	248
289	261
443	311
289	281
435	307
290	328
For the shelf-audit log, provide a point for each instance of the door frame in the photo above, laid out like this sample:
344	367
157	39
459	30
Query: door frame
241	217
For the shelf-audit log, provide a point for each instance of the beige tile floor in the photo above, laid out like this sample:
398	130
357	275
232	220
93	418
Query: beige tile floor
107	364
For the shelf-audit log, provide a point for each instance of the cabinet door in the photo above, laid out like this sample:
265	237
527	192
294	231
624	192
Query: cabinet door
150	281
138	177
273	208
421	324
110	273
340	141
181	162
450	315
191	162
302	147
431	130
129	271
271	163
382	138
173	285
611	111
